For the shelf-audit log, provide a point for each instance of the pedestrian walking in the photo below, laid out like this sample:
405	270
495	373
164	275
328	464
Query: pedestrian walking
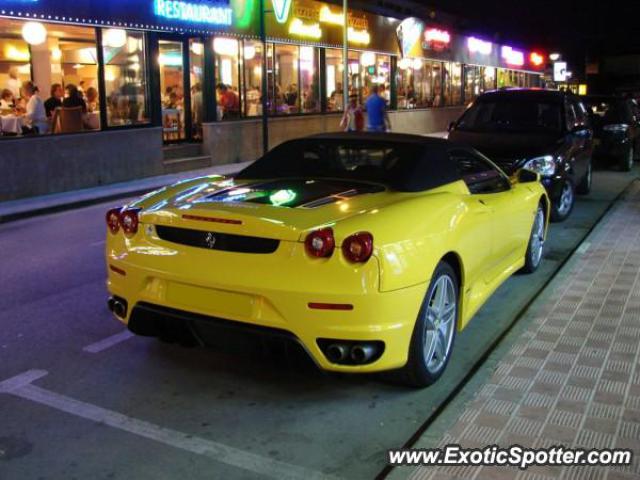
353	117
378	118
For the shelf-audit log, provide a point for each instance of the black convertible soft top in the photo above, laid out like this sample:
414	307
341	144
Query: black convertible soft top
406	163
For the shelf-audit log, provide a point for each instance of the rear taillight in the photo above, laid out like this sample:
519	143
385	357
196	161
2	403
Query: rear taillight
358	248
113	220
129	221
321	243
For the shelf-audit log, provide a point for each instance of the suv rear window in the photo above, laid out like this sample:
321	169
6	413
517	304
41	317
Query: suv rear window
511	113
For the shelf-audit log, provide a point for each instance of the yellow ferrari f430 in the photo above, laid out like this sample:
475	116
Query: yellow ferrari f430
370	251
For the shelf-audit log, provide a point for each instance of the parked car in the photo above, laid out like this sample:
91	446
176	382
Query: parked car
541	130
616	123
368	250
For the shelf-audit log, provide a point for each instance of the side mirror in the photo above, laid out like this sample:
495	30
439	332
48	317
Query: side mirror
452	127
527	176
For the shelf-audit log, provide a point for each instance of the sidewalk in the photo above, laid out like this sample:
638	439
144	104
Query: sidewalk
569	374
28	207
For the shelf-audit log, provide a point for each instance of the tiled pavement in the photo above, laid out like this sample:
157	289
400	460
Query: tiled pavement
572	377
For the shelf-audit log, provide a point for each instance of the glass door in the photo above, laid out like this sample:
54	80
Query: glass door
181	64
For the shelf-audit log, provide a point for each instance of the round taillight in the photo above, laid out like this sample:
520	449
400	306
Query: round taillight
129	222
358	248
321	243
113	220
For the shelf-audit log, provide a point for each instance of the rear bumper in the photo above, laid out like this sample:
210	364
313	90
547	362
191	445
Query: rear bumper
155	299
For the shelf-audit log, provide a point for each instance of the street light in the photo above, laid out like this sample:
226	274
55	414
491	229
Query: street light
554	57
345	56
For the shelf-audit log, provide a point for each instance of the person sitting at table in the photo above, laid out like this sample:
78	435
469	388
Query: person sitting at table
74	99
7	102
92	99
35	116
229	102
55	100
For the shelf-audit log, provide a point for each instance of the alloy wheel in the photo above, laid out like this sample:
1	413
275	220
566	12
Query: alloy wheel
440	324
537	238
566	199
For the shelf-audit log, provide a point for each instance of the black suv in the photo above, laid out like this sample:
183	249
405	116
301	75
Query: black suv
616	125
546	131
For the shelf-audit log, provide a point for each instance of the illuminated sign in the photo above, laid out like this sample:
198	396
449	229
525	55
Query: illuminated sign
327	16
560	73
359	36
298	27
435	35
409	32
475	45
536	59
194	12
512	56
281	10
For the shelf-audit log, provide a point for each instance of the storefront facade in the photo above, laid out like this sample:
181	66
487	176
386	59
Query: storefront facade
154	72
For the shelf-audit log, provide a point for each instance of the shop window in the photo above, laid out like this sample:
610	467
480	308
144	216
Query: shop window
227	52
375	70
453	83
309	80
125	77
416	83
357	65
334	80
196	79
253	58
286	86
489	78
63	59
472	83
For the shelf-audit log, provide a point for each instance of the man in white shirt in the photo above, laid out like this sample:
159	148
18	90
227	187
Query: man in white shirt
35	116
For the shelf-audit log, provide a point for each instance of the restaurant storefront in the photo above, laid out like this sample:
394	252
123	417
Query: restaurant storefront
123	78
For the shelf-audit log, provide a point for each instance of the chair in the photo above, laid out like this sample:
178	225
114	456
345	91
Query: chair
68	120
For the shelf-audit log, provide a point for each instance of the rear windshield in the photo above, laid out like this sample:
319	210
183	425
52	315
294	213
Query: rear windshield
512	114
611	110
400	166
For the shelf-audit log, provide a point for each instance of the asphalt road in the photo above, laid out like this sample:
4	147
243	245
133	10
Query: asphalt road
135	408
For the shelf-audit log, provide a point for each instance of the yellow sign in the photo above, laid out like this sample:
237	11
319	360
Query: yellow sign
582	89
301	29
361	37
327	16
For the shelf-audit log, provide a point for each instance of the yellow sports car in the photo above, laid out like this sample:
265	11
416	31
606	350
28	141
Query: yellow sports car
370	251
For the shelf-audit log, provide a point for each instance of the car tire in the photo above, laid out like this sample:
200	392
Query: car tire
626	162
585	184
434	331
563	206
535	248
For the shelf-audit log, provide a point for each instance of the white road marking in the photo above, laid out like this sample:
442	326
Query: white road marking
108	342
584	248
21	386
98	244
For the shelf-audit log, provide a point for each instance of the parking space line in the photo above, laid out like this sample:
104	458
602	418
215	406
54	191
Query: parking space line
21	386
108	342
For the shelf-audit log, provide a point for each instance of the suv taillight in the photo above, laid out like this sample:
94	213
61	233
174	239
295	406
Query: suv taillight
113	220
321	243
358	248
129	221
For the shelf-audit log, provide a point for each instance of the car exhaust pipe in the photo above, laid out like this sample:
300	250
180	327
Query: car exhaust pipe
337	352
117	307
363	353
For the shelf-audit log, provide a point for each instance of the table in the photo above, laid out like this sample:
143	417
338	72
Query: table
11	124
92	120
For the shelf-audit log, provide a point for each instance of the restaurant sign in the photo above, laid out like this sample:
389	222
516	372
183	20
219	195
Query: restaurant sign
238	16
194	12
316	22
